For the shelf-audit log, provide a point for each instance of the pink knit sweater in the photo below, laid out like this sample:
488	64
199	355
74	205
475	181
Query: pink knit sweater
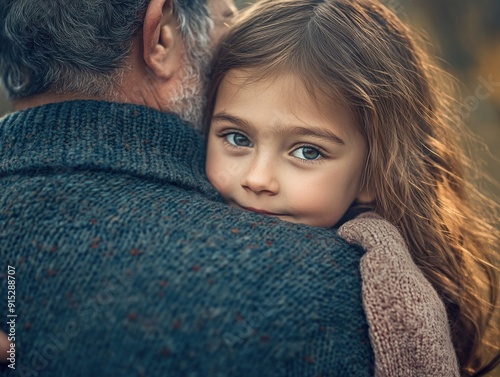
408	325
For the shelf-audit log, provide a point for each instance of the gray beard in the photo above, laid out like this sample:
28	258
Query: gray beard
189	100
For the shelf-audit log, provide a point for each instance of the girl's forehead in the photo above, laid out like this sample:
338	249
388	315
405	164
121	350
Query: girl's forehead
306	87
263	77
249	93
288	87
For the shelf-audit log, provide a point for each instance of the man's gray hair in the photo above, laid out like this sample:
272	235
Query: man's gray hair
79	46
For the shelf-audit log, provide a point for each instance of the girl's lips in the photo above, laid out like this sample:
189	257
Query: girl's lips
261	211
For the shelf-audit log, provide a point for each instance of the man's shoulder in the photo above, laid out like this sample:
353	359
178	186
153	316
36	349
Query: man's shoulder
160	262
159	211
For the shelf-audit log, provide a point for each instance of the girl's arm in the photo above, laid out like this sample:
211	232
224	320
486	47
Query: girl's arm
408	325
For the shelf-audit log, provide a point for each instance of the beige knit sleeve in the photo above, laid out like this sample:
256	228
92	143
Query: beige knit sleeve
408	325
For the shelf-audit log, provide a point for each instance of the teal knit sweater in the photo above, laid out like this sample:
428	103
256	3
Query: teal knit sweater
128	263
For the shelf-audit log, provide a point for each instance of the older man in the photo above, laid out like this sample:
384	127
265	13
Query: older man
117	256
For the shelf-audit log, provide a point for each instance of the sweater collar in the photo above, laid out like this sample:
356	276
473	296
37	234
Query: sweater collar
97	135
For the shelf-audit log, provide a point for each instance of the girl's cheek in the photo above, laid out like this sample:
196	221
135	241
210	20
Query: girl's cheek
216	174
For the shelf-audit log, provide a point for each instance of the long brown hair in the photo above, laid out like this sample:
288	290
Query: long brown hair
358	52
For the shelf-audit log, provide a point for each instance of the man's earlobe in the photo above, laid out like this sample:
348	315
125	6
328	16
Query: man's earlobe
161	38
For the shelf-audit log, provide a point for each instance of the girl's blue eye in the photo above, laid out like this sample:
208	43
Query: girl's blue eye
237	139
307	153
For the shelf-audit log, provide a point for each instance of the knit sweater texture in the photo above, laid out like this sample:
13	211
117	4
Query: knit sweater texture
128	263
409	328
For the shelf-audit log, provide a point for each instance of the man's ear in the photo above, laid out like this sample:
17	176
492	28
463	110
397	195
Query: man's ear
161	39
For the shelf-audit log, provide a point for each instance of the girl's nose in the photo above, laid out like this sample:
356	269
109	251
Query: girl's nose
261	177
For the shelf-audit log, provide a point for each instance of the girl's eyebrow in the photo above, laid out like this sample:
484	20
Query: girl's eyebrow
222	116
293	130
315	132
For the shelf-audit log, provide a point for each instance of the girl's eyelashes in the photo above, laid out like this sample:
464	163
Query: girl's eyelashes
304	153
237	139
308	153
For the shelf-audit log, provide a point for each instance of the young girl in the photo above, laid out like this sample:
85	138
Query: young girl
321	110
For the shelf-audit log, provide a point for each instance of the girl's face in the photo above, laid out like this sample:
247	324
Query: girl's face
275	150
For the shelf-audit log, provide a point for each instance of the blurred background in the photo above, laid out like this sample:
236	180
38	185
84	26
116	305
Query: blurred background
466	36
